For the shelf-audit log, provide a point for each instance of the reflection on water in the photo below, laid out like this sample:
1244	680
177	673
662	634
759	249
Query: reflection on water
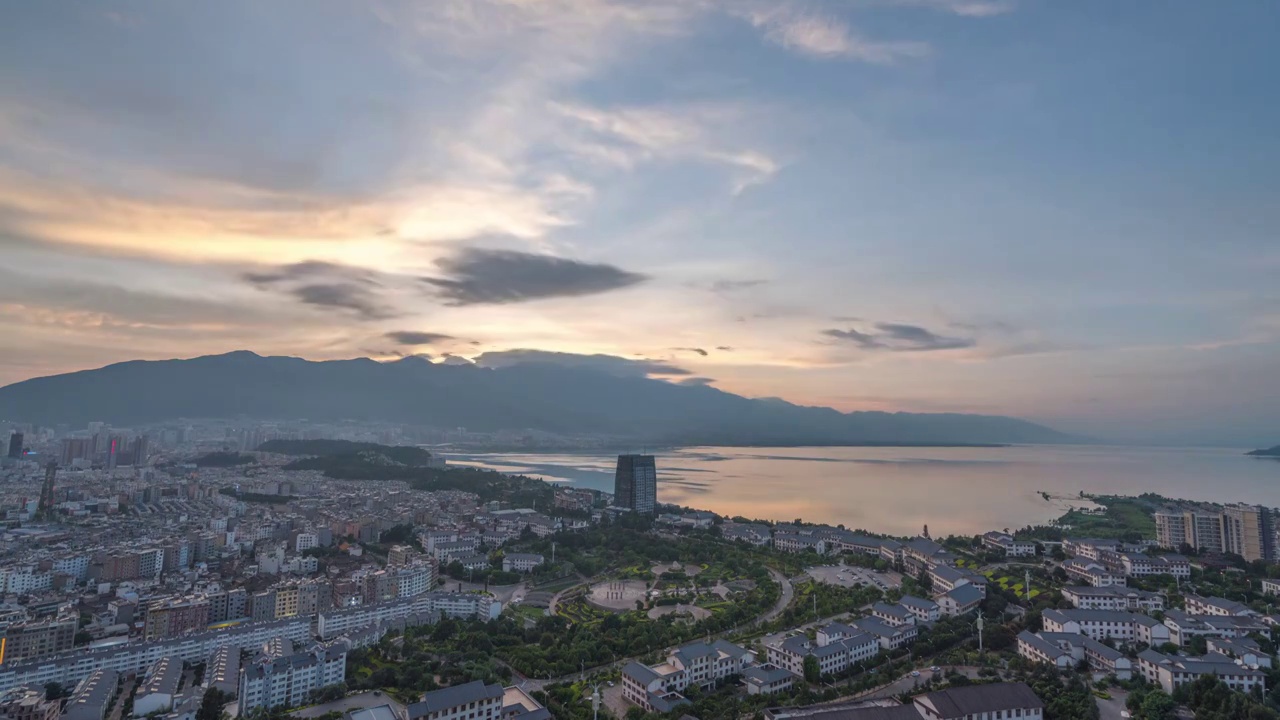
899	490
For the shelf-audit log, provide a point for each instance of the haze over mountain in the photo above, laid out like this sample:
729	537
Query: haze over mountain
538	393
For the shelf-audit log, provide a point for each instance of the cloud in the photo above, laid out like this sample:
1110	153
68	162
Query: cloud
724	348
326	284
898	337
477	276
413	337
697	381
729	286
610	364
824	37
966	8
697	350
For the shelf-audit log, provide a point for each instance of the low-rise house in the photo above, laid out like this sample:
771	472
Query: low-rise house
837	648
1064	650
793	543
701	664
473	563
1092	572
1136	564
1005	542
1173	671
521	562
750	533
921	553
28	703
947	578
1183	626
889	637
894	615
767	679
962	600
470	701
1113	597
891	551
1197	605
1271	587
1245	651
996	700
923	610
1090	548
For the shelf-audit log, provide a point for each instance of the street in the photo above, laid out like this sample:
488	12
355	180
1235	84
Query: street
352	702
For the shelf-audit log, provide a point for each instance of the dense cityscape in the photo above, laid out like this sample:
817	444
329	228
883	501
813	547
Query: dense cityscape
297	569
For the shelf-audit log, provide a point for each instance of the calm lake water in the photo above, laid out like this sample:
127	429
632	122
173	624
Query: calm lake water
899	490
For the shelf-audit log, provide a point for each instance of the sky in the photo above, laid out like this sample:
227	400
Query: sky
1061	211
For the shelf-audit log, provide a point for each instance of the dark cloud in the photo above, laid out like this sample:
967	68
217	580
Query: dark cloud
413	337
898	337
728	286
328	285
697	381
724	348
611	364
344	296
697	350
477	276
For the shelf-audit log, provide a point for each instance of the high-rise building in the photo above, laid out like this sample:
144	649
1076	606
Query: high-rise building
635	483
1247	531
76	449
45	509
1197	528
15	445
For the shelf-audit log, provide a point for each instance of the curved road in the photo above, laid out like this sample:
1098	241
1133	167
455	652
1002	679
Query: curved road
784	599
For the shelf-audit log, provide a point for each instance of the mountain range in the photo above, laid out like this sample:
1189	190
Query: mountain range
533	395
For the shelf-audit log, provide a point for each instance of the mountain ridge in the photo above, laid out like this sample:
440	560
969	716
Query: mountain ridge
543	396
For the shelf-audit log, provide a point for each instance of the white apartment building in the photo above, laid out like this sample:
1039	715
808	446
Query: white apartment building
837	648
698	664
25	579
1171	672
790	542
1121	598
1004	542
1197	605
1092	572
306	541
1271	587
1103	624
521	562
77	566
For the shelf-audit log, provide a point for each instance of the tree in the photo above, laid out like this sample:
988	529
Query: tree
211	705
1197	645
55	691
812	670
1157	705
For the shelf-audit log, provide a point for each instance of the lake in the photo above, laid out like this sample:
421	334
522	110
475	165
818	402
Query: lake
899	490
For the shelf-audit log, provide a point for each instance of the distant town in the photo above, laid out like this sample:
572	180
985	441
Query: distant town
205	567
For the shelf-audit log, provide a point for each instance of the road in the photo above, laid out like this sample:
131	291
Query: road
907	683
1111	709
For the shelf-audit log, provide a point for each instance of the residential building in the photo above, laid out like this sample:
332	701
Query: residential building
92	696
1244	651
27	703
1113	597
1173	671
305	541
222	671
1271	587
750	533
889	637
176	616
34	639
1089	548
635	483
288	681
837	648
893	615
471	701
981	702
1248	531
164	679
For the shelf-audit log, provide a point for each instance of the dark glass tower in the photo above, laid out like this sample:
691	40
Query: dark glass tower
635	483
15	445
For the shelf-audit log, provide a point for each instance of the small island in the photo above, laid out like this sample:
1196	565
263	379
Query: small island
1269	452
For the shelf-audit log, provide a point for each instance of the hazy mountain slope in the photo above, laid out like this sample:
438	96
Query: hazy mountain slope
541	396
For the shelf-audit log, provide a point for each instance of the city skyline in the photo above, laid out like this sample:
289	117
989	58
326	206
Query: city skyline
1059	212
